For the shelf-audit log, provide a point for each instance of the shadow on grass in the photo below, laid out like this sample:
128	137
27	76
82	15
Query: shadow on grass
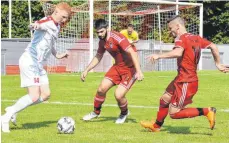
182	130
34	125
104	119
178	130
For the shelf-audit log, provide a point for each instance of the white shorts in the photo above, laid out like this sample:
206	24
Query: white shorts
30	73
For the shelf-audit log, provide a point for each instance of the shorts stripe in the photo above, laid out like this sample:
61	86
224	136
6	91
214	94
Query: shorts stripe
109	78
131	81
184	92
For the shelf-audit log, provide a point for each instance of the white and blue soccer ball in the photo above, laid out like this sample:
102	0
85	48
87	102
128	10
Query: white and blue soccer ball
66	125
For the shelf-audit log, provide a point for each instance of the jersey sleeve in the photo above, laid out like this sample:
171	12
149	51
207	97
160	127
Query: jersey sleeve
101	50
204	43
124	43
120	40
46	24
179	44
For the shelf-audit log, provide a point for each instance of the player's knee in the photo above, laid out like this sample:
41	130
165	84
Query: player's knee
163	103
173	112
119	96
172	116
101	91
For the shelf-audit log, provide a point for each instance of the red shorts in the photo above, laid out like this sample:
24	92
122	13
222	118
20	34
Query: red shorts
182	92
124	76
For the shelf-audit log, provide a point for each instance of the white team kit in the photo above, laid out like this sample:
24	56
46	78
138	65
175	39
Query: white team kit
37	52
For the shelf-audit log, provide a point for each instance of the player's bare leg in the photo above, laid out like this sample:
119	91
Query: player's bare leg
22	103
99	99
120	93
45	93
155	126
44	96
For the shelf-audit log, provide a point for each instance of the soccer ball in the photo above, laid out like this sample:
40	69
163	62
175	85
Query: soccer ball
66	125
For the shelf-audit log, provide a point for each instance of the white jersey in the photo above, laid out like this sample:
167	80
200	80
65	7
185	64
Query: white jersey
39	49
43	40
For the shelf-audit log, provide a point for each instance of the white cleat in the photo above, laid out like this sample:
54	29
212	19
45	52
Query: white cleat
5	124
122	118
90	116
13	119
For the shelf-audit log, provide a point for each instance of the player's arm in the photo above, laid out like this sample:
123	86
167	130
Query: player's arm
134	57
58	56
215	53
37	26
95	61
175	53
42	24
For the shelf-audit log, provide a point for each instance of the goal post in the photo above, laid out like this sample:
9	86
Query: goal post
149	18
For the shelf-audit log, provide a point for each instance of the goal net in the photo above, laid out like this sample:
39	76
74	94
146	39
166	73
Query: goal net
149	19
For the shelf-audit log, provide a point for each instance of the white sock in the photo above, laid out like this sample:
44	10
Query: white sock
40	100
21	104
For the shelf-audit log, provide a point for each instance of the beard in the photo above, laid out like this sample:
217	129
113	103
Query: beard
173	34
104	37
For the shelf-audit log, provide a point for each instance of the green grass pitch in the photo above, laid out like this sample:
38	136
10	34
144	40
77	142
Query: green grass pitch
71	97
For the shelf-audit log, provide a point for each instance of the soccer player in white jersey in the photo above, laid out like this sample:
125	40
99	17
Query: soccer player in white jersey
33	76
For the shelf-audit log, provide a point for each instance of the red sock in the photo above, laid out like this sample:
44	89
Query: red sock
123	107
190	113
205	111
162	113
98	101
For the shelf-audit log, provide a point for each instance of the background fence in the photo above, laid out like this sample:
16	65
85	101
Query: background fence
13	48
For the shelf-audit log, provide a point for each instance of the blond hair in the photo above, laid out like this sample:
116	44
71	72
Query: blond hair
64	6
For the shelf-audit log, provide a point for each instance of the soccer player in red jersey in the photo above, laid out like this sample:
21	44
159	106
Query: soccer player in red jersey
181	90
123	73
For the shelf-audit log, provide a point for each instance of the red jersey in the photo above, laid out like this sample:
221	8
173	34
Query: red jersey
187	63
117	45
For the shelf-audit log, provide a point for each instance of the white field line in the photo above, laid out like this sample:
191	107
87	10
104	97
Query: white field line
108	105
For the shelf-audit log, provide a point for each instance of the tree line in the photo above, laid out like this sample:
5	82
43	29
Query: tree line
215	17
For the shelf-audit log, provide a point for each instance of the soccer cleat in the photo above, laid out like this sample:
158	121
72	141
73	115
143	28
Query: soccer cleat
90	116
211	117
5	123
149	125
122	118
13	119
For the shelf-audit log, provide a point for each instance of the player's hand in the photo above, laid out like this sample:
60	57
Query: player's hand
61	56
34	26
139	76
130	41
83	76
222	68
152	58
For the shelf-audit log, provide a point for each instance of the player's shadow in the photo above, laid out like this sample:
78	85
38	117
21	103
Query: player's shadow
104	118
182	130
33	125
179	130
